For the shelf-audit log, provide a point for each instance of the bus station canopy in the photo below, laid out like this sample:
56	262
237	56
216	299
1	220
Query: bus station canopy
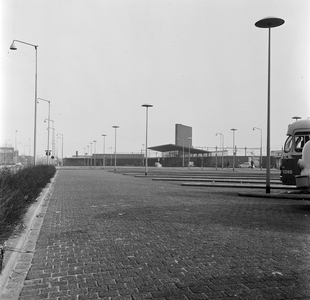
172	147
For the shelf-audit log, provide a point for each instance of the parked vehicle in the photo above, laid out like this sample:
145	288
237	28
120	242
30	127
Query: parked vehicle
298	135
245	165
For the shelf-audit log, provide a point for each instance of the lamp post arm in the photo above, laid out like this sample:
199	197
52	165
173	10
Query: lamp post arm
48	129
13	47
44	100
36	46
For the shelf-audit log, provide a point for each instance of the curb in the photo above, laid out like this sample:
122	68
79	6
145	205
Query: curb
19	250
290	193
240	185
287	195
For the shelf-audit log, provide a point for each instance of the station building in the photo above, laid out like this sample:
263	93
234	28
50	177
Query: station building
122	159
179	154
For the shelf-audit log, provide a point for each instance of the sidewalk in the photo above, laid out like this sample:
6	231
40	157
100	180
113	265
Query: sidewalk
102	235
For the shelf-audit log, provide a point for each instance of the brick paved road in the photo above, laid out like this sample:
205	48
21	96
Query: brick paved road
110	236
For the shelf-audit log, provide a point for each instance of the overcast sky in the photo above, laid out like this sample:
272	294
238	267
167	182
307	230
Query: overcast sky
200	63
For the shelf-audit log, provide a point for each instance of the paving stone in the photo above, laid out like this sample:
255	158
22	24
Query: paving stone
109	236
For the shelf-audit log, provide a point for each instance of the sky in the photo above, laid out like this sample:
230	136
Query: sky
201	63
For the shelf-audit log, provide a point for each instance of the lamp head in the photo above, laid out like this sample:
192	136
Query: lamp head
13	47
296	118
269	22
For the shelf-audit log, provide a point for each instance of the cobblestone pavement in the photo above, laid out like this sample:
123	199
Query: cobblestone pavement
110	236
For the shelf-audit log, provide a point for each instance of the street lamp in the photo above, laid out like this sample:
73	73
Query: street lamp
48	129
15	148
189	151
223	153
95	154
115	127
234	152
261	143
268	23
13	47
222	144
296	118
183	154
103	162
88	155
62	147
147	107
91	154
111	156
53	137
84	157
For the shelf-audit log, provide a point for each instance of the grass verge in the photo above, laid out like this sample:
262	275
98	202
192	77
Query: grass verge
18	189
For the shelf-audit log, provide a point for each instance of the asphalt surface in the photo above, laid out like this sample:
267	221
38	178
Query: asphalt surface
103	235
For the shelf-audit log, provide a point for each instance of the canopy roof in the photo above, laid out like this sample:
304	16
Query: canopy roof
172	147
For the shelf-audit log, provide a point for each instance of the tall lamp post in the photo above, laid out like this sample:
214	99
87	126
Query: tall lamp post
95	154
15	140
222	145
261	146
48	129
62	147
13	47
223	153
91	154
183	155
111	156
15	148
103	162
234	152
189	152
115	127
147	108
53	137
268	23
88	155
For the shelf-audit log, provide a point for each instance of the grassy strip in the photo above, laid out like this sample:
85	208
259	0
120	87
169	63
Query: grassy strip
18	189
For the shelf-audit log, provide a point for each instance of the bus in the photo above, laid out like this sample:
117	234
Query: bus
298	134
